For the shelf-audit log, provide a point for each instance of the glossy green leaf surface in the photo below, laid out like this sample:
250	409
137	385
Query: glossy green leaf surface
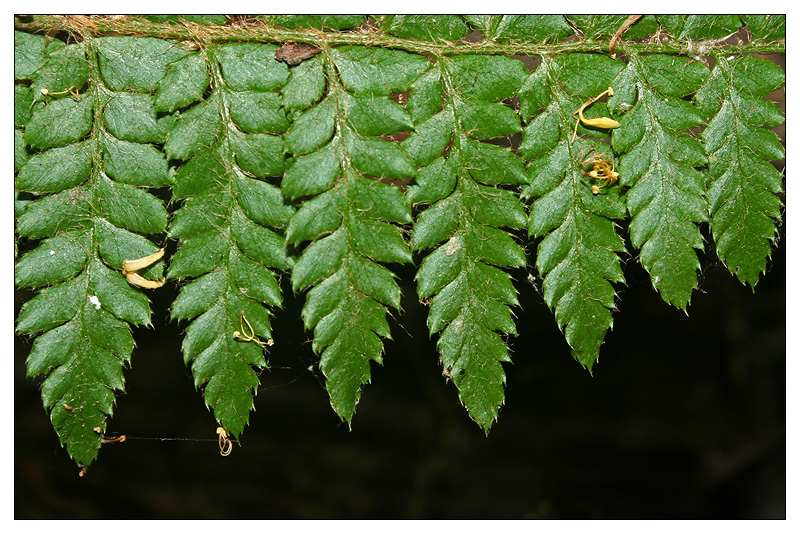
660	163
229	227
88	213
426	27
135	64
318	22
349	221
578	255
469	296
766	27
530	28
742	186
700	26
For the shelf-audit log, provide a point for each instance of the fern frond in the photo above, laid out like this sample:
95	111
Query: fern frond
469	295
766	27
742	186
23	108
526	28
659	162
317	22
230	221
425	27
700	27
578	255
89	206
603	27
349	216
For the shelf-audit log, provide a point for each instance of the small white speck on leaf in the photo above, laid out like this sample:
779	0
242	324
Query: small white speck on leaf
95	301
452	246
52	252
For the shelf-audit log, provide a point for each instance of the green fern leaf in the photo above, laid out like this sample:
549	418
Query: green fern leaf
60	123
63	69
20	153
766	27
305	86
41	268
30	53
350	216
257	111
23	105
54	214
134	163
376	71
527	28
251	67
133	118
82	358
426	27
197	129
698	27
469	295
56	169
136	64
742	185
604	26
317	22
83	315
659	162
229	224
578	256
184	83
208	20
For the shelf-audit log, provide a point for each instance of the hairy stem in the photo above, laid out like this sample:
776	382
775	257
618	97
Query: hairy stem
259	31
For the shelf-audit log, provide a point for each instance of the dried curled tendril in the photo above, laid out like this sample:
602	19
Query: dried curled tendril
104	439
73	91
237	334
225	443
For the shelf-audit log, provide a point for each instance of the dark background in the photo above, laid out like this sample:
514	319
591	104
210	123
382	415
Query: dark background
683	418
